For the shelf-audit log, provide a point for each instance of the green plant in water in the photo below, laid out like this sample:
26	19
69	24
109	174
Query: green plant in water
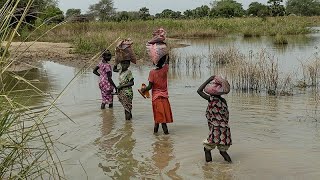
280	40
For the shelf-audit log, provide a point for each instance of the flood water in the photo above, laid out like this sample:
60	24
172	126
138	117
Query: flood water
273	137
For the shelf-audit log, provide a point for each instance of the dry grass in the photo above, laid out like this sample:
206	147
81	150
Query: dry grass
257	72
92	37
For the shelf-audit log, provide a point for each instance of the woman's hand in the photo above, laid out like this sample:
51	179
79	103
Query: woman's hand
211	78
143	89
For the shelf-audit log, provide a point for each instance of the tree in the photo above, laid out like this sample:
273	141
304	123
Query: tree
144	13
37	9
304	8
276	9
258	9
168	13
227	8
52	14
103	10
188	13
73	12
200	12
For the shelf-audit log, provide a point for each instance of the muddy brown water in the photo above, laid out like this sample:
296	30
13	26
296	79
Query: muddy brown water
273	137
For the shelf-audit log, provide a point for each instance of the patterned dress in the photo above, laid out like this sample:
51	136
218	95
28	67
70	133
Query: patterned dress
126	94
104	84
218	117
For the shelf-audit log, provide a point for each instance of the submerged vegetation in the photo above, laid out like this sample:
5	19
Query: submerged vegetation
280	40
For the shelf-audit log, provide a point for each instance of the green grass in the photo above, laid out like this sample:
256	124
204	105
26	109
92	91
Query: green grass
280	40
92	37
26	146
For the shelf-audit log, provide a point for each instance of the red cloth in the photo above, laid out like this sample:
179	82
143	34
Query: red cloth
162	110
159	79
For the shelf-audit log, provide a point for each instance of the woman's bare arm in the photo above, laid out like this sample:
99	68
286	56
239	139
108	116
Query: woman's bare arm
200	90
95	71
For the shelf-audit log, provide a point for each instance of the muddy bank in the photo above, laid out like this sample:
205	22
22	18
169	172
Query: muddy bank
28	54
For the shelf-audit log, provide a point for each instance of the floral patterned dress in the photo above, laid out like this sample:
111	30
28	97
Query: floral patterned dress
125	95
218	118
104	84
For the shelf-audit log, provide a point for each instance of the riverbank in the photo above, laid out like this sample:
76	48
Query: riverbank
28	54
90	38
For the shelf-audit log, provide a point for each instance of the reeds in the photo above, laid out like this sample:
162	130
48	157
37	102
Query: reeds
26	147
280	40
255	71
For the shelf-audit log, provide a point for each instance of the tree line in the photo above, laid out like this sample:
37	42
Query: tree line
48	11
104	10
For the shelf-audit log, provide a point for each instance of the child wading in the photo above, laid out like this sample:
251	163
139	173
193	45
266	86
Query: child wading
106	83
158	82
217	115
125	93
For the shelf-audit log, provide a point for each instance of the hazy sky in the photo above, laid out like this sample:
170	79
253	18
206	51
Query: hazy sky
155	6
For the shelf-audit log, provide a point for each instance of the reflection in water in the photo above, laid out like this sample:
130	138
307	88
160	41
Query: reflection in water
265	129
163	154
217	171
118	147
21	91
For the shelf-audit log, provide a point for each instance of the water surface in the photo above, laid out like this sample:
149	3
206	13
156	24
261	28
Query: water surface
273	137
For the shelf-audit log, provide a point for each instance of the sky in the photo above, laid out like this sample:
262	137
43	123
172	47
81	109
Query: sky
155	6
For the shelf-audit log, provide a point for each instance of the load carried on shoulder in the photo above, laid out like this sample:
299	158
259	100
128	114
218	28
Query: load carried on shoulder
156	47
125	52
218	86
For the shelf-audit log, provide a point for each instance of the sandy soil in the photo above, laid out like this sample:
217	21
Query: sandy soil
28	54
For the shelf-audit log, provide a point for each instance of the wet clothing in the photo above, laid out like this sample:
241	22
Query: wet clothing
160	103
162	110
159	80
125	95
217	115
105	86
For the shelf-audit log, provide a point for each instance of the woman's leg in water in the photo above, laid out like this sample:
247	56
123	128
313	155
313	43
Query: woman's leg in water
165	128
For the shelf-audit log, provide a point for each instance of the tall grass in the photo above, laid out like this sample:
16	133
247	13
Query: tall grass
91	37
280	40
26	147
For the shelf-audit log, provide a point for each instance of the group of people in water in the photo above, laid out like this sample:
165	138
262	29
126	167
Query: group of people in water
217	113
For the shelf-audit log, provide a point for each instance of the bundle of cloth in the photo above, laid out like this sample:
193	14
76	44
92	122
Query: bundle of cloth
156	47
218	86
124	51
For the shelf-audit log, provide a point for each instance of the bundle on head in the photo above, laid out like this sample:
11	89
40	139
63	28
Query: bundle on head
124	51
156	47
218	86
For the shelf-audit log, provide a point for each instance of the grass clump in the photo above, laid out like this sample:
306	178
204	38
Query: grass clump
26	146
280	40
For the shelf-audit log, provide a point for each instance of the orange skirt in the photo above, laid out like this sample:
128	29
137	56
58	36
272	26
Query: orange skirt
162	110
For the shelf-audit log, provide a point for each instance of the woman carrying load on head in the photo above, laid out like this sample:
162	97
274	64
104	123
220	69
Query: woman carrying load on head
124	56
158	81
